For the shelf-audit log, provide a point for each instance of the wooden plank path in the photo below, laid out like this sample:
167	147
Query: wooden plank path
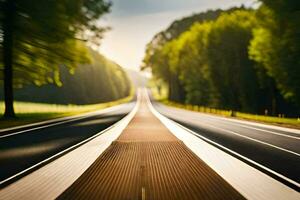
149	162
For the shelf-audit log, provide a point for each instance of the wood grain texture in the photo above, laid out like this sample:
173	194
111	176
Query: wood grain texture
149	162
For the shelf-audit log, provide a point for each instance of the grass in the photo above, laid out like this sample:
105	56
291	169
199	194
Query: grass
34	112
280	121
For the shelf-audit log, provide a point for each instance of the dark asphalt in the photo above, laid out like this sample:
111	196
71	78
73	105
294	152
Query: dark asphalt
275	149
21	151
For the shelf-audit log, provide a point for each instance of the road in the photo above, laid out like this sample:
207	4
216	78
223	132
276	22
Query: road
147	156
147	161
22	149
274	151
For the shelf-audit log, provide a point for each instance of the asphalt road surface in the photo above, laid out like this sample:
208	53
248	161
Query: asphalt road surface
25	149
148	162
275	152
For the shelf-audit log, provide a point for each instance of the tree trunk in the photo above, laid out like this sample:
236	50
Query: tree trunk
8	28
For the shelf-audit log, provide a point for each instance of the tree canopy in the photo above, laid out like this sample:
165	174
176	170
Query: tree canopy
231	61
276	45
37	37
100	81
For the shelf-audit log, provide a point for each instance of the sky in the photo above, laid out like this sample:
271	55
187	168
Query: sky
133	24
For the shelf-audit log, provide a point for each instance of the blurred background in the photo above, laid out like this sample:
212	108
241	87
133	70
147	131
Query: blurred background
230	56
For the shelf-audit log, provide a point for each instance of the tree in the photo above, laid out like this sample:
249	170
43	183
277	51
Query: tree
159	51
189	59
232	72
39	36
233	60
276	45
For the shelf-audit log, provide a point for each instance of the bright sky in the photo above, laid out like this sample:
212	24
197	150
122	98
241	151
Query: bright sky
135	22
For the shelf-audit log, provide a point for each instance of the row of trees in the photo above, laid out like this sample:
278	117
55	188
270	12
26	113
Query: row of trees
239	59
37	37
99	81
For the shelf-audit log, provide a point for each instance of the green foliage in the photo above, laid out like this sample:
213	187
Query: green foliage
35	112
276	45
158	50
220	63
191	62
38	37
232	73
100	81
48	34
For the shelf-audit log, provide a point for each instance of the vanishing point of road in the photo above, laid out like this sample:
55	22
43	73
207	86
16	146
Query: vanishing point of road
145	159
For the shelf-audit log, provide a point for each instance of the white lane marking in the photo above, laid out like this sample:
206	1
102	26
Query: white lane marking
63	122
54	156
157	114
37	123
267	131
249	181
255	140
239	155
58	171
239	124
258	129
58	119
247	137
288	130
